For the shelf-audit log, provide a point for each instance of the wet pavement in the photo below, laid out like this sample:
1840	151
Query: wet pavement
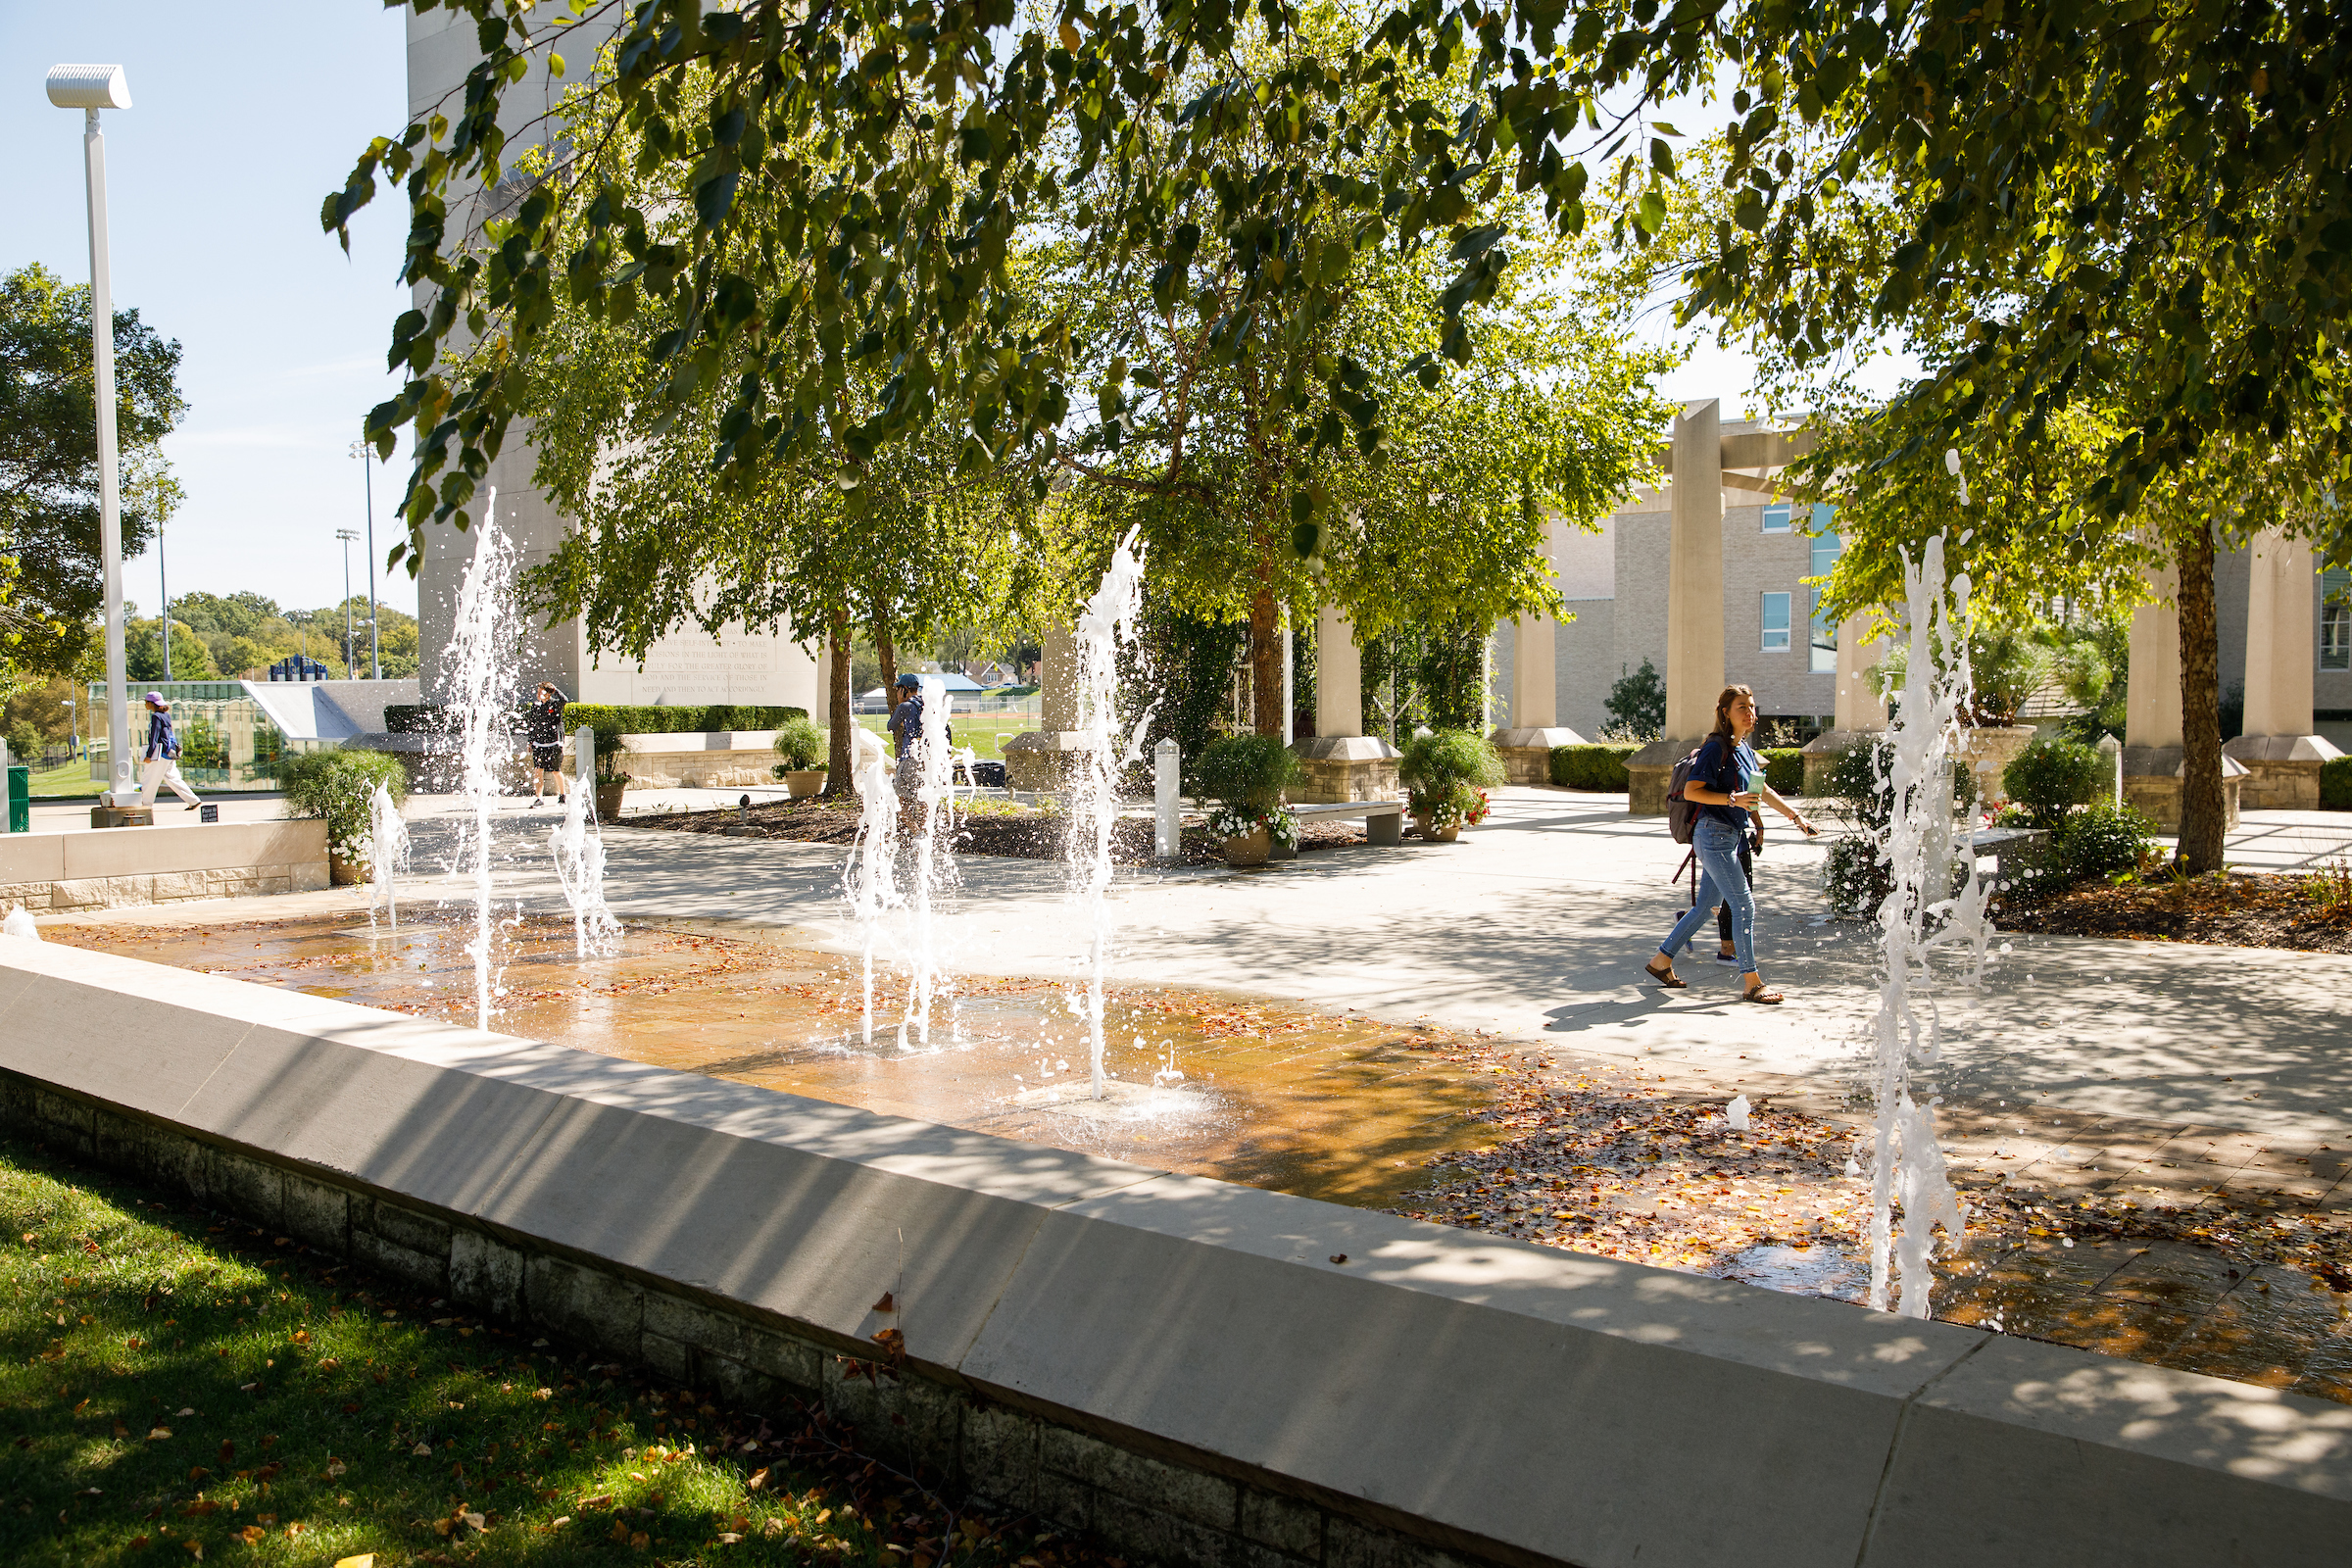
1540	1144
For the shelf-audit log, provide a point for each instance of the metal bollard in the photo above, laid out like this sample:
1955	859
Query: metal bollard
2111	749
1167	825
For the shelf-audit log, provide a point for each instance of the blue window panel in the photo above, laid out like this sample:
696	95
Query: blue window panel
1776	518
1776	623
2335	620
1825	640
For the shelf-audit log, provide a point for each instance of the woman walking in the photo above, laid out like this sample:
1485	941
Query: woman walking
542	725
1726	784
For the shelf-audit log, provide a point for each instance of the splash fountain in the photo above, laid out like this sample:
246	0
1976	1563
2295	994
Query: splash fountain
1108	619
387	854
476	669
933	874
579	849
867	881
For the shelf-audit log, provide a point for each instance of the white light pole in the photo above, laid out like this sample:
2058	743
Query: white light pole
349	652
376	646
90	88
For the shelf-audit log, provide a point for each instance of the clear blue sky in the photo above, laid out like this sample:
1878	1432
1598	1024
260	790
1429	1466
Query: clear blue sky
242	118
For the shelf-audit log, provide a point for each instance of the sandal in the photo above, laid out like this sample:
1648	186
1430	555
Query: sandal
1761	996
1666	977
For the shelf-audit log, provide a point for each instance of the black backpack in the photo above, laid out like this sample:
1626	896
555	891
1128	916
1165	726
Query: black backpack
1682	815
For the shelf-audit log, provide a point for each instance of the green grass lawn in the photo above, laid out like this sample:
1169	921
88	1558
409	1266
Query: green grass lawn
71	779
984	734
177	1385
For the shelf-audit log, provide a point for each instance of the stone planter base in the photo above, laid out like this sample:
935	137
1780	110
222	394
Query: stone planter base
1988	749
1251	849
344	873
1824	751
2282	771
1650	770
1043	758
1344	767
1527	752
2153	785
803	782
607	802
1436	835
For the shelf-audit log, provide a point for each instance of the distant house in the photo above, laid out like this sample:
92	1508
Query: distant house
993	673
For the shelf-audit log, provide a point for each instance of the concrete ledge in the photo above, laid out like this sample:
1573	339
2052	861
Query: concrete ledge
1649	771
112	867
1179	1364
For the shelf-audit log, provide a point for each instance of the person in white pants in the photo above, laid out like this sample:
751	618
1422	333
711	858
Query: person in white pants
161	756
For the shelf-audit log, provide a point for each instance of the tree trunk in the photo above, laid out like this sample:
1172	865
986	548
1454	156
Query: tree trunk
1265	667
2204	812
839	779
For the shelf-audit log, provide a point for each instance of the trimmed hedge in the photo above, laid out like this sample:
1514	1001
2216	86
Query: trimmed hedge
1783	769
1596	767
2336	785
624	719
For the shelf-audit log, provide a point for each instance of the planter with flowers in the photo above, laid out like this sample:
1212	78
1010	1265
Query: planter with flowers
1245	775
1447	774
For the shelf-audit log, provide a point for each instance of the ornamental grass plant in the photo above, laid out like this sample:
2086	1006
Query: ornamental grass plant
1446	773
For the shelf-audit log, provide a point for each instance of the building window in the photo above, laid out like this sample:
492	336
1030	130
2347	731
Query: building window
2335	620
1825	640
1827	547
1776	623
1776	518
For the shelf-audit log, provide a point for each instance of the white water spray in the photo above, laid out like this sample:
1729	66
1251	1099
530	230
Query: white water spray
474	673
934	871
867	881
387	854
579	855
1919	914
1107	619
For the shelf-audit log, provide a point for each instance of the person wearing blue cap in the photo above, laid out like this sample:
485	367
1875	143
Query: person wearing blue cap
161	759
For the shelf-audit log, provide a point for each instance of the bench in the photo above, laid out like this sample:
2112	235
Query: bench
1383	820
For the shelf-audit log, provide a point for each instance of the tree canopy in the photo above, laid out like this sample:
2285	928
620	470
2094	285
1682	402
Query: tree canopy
52	578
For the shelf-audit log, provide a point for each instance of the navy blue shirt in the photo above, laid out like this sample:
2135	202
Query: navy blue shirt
161	742
1723	764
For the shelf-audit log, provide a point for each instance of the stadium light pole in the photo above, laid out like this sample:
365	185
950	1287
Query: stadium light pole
350	650
90	88
375	645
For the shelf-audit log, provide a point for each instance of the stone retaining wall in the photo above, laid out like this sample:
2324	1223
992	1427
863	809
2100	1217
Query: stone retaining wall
1197	1371
114	867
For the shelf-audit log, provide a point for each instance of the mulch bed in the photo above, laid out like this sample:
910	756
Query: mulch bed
2310	912
1603	1163
1025	835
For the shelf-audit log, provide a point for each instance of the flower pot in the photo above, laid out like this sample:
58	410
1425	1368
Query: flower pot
1436	835
608	801
803	782
346	873
1251	849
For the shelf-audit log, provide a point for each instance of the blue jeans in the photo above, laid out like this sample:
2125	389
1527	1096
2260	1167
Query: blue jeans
1720	881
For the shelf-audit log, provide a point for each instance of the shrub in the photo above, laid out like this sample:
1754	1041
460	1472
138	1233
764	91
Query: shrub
1852	877
1858	781
2101	841
1636	704
801	743
633	718
1247	772
1599	766
339	786
1784	769
414	718
1446	773
2336	785
2052	777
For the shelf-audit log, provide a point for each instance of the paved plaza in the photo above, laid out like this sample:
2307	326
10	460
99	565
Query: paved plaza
1532	928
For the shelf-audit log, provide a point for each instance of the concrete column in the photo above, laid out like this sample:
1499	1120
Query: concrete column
1342	761
2152	700
1338	675
1057	679
2282	755
1694	574
1859	704
1534	695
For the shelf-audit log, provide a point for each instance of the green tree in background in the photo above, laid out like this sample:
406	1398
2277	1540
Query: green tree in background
54	582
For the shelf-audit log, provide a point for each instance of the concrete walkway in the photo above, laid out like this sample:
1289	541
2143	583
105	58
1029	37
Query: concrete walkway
1534	927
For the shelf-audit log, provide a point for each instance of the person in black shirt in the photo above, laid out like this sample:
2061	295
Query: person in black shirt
543	724
1726	784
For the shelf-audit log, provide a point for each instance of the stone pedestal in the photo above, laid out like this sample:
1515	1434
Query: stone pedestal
2152	784
1988	749
2282	771
1824	751
1527	753
1648	772
1346	767
1049	756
